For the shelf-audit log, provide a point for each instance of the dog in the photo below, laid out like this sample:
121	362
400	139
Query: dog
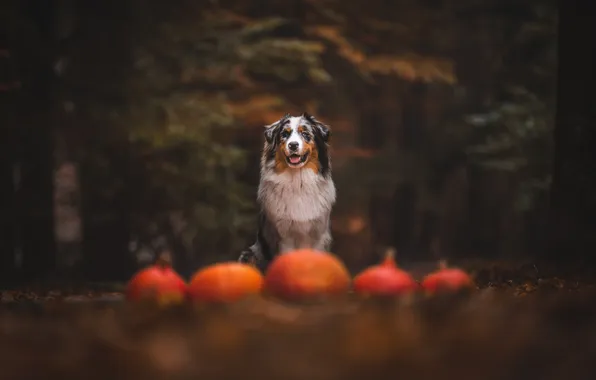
296	192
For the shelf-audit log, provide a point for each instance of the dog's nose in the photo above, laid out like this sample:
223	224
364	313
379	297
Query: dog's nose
293	146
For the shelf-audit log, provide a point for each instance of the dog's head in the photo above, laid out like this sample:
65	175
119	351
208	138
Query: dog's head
297	142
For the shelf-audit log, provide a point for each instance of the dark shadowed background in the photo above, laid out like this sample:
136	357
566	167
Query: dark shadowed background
128	127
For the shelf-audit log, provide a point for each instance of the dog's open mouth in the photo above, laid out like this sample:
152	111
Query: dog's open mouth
296	159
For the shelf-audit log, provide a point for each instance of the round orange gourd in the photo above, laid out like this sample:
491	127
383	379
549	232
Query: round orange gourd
225	282
158	283
385	279
446	280
306	273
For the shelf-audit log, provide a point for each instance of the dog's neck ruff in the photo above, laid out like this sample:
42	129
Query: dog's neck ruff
298	195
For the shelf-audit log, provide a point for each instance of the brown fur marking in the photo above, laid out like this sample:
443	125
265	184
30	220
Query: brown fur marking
312	161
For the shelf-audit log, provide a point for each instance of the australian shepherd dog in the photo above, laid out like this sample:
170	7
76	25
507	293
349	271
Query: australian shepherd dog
296	191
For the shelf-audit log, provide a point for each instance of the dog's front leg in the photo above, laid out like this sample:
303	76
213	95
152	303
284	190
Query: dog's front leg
254	256
286	246
324	242
286	234
248	256
321	234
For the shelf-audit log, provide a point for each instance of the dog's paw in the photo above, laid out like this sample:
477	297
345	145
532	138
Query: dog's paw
248	257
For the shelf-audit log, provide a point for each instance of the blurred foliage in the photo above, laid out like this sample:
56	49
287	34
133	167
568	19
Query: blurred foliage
200	75
206	76
510	128
516	127
518	139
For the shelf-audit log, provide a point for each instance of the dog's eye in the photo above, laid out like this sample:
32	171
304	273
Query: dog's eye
306	136
285	134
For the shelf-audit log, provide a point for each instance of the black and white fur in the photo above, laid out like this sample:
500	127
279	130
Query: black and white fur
295	198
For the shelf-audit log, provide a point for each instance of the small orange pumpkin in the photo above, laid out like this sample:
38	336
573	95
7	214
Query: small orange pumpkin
385	279
446	279
158	282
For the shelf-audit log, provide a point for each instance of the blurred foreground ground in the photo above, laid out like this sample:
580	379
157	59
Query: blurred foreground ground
523	322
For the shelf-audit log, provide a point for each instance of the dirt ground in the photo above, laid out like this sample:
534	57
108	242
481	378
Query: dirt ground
520	323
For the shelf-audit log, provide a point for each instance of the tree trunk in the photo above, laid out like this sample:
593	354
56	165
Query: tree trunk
105	225
8	102
7	216
35	146
404	211
35	196
573	200
105	52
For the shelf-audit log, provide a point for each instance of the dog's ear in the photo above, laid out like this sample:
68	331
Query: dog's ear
324	131
272	129
320	129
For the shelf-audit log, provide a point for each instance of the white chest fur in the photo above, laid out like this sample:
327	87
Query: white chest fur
296	195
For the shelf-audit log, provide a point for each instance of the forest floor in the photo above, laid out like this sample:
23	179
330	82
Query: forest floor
524	321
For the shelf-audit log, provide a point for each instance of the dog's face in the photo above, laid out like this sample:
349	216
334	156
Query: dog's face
296	142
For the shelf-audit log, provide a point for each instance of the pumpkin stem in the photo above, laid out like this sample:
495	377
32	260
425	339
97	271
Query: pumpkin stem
389	259
442	264
164	259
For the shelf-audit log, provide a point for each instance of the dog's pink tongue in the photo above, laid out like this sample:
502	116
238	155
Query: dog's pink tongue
295	159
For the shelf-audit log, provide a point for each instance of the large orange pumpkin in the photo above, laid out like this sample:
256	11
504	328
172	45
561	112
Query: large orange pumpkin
225	282
306	273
